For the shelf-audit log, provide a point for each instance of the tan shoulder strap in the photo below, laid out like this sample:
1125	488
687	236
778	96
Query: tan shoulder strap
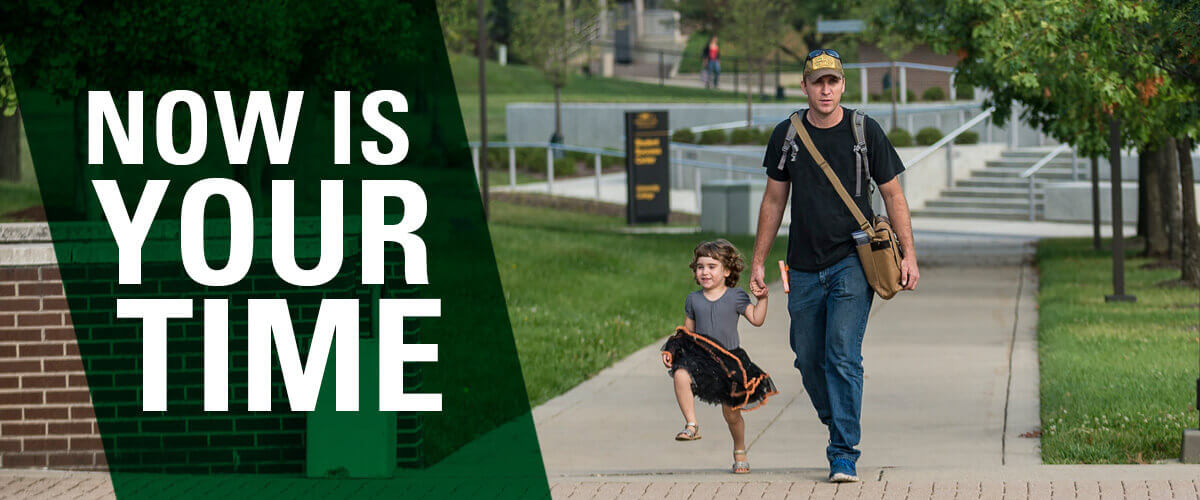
833	179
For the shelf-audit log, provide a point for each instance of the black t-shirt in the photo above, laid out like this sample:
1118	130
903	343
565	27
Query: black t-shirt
822	225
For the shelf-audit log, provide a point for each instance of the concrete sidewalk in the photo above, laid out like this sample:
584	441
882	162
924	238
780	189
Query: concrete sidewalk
951	380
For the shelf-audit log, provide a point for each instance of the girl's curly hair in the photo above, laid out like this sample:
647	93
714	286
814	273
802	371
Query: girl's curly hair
724	251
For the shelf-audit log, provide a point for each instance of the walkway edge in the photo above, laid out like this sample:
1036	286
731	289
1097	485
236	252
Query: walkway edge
1022	408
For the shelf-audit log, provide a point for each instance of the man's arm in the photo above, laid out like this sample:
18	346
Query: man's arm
897	210
770	215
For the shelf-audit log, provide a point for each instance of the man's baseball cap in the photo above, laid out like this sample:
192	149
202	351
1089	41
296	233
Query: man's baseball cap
821	62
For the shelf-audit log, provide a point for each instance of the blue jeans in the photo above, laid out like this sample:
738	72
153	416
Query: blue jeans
829	311
714	71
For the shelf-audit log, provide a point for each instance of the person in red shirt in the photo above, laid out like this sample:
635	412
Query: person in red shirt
711	62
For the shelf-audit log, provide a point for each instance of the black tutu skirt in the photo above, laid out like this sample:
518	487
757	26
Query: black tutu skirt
719	376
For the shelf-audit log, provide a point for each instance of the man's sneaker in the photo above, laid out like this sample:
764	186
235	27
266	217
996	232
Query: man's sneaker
841	470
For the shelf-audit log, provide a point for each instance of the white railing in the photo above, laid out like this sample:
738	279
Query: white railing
676	160
948	142
1032	171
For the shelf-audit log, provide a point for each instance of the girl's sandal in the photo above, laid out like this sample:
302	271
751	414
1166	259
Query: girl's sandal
740	466
690	432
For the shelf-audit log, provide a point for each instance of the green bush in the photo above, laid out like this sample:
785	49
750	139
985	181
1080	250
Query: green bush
900	138
968	137
684	135
532	159
764	135
912	96
964	92
566	166
928	135
743	136
875	98
934	93
713	137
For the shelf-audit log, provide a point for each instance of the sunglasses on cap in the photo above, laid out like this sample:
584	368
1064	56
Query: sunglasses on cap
818	52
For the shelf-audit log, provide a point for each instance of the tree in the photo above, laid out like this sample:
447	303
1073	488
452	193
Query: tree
549	35
1076	65
755	26
10	124
459	28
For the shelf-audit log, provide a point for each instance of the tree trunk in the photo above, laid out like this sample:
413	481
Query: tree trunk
10	147
1191	229
1169	188
558	111
762	75
749	104
1156	232
1143	167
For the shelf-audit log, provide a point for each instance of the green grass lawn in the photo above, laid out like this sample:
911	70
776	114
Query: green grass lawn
1117	380
582	296
518	83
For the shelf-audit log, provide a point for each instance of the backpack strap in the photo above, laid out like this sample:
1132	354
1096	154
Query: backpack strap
861	166
833	179
789	144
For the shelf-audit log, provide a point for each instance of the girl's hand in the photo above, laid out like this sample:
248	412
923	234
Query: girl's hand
759	292
666	359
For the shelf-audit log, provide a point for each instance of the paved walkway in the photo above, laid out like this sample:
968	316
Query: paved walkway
951	386
951	380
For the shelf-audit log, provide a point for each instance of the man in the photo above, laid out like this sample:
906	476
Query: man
830	297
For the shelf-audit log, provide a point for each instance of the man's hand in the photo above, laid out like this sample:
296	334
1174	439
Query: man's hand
909	275
758	275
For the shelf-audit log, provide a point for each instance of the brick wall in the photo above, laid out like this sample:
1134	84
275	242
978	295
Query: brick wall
47	415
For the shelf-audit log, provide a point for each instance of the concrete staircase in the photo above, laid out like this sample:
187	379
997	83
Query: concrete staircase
998	192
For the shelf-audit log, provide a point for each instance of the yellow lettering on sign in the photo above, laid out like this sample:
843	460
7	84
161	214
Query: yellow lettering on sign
646	191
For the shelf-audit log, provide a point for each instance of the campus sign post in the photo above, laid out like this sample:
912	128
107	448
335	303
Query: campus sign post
647	167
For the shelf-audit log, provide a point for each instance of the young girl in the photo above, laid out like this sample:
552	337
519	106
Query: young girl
704	356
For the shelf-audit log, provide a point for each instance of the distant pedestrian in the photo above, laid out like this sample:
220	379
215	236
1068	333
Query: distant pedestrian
710	61
704	356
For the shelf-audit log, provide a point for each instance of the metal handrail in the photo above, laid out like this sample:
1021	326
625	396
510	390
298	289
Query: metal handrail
1045	159
598	152
716	149
1031	171
949	137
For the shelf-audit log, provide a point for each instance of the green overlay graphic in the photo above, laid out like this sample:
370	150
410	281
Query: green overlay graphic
482	443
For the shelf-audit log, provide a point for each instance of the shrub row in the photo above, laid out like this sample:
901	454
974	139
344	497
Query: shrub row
752	136
533	160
